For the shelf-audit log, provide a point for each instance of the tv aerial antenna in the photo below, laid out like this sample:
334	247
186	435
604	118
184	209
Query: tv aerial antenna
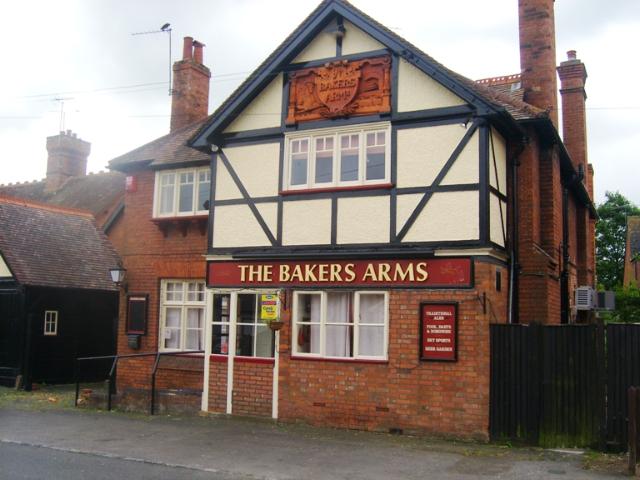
166	28
62	113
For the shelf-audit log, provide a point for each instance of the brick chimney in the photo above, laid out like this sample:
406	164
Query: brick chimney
190	97
538	55
67	158
573	76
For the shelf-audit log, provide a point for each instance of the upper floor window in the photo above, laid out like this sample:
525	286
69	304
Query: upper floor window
338	158
182	192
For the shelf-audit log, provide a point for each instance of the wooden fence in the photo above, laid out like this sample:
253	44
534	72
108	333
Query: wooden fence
564	386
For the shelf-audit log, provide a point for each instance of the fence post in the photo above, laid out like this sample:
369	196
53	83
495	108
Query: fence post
633	432
77	375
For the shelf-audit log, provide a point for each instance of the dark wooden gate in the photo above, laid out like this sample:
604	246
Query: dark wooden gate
11	340
547	385
623	371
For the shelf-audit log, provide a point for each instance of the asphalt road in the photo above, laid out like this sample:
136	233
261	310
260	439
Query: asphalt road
25	462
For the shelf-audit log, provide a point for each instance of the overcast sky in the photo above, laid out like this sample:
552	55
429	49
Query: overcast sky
115	84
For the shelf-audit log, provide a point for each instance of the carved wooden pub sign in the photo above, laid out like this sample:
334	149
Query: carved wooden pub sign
340	89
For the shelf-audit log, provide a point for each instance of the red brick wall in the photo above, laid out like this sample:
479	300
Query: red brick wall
539	233
218	385
422	397
149	257
252	388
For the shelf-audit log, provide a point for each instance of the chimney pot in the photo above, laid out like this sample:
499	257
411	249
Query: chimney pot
187	49
571	54
197	54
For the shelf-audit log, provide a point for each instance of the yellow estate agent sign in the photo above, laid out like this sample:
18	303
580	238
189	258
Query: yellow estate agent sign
268	307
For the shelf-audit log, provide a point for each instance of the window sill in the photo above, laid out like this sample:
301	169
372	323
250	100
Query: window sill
340	360
181	223
376	186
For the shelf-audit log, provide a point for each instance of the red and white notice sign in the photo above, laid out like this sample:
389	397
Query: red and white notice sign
438	324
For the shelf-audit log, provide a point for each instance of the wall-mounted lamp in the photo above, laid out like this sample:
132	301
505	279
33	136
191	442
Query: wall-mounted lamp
118	275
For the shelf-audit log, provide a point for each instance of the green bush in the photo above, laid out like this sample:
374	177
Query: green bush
627	305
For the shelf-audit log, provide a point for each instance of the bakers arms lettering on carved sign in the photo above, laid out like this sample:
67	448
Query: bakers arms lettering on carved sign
340	89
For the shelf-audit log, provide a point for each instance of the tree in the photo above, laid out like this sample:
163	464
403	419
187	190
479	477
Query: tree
611	236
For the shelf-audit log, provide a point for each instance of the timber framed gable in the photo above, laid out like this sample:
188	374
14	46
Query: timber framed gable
445	181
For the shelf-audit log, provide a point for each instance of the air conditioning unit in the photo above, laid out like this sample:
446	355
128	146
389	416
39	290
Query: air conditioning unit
606	300
585	298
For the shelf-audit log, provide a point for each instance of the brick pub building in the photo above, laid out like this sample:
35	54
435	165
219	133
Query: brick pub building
385	209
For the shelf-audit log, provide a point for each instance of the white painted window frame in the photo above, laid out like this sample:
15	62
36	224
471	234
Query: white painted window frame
183	305
176	192
233	318
323	325
337	133
51	323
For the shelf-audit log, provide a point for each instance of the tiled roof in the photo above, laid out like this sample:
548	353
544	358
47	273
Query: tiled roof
96	192
633	233
53	246
167	150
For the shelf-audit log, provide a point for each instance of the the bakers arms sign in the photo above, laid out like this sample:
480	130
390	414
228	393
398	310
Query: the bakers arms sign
340	89
436	272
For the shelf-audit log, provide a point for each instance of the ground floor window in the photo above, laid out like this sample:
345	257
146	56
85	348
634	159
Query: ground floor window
243	311
182	307
51	322
337	324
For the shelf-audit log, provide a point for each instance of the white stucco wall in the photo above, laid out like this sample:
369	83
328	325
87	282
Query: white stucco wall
500	148
363	220
256	166
495	230
236	226
4	269
422	152
418	91
357	41
323	46
265	111
447	216
306	222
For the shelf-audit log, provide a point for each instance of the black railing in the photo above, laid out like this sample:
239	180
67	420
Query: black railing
113	368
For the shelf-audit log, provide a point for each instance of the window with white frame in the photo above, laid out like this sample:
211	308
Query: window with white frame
336	324
182	192
254	338
182	309
51	322
338	158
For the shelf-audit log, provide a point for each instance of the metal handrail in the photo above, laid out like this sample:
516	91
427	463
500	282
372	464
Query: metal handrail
154	371
112	371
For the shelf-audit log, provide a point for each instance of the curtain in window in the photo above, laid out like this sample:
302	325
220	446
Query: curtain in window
371	325
338	337
172	328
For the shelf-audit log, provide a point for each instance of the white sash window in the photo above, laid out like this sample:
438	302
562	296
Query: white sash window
336	324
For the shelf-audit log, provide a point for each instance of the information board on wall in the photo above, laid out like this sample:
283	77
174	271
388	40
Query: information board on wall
438	323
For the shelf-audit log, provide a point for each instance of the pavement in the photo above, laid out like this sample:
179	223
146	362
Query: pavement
118	445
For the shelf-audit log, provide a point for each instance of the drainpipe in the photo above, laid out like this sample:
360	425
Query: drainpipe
513	256
564	275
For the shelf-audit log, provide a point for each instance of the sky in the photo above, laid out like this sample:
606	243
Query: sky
81	57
